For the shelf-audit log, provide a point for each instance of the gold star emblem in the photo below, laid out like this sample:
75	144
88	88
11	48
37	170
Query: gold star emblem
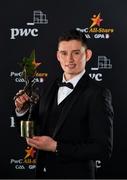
96	20
35	63
30	151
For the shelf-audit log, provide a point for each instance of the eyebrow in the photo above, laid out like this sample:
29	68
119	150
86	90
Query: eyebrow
72	50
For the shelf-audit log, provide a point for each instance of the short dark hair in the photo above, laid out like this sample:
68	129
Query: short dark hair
73	34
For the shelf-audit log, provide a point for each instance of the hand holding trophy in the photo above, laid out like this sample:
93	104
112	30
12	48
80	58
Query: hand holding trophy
29	91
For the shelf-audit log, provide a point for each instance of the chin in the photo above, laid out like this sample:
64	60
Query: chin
72	73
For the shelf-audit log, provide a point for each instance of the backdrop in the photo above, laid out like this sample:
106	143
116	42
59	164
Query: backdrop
27	25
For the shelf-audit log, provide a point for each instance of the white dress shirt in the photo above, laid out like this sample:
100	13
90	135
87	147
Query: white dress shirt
64	91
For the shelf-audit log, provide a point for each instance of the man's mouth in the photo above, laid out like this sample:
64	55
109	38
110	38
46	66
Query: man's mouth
71	65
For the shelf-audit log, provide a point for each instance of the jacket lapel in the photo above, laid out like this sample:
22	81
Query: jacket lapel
49	95
79	89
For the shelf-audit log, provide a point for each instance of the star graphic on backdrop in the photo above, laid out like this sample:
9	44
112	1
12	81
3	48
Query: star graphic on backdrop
30	152
96	20
35	63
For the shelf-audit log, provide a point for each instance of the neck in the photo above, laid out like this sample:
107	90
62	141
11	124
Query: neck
69	76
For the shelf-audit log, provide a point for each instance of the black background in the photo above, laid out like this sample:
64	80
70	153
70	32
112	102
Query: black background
62	15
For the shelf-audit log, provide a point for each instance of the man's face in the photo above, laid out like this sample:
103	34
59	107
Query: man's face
72	56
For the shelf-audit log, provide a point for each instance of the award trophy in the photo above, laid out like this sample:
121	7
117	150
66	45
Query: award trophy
27	127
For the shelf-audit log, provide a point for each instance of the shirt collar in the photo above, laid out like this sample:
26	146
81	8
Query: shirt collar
75	79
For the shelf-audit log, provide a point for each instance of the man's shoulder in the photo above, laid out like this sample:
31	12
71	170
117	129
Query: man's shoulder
95	86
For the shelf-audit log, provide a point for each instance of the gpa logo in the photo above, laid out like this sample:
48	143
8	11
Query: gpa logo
95	30
103	63
39	18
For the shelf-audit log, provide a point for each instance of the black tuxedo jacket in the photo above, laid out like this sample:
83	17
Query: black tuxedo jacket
84	131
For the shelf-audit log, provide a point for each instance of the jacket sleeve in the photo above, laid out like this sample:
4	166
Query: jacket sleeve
100	142
24	117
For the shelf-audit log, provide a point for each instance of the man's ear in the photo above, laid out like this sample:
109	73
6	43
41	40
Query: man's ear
88	54
58	56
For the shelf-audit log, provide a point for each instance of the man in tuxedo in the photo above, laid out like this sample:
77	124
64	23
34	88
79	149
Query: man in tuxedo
75	116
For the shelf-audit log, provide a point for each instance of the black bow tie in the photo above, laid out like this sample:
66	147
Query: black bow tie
69	85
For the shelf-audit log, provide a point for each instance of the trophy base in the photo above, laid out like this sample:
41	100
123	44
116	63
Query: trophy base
27	129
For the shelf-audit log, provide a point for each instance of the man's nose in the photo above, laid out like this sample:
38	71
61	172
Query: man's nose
70	57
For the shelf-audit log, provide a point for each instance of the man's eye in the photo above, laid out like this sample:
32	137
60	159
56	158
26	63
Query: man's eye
63	53
77	52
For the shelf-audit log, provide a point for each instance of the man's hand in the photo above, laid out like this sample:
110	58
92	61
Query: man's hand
22	101
44	143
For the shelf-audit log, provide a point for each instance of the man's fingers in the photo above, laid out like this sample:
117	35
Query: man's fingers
22	99
32	142
20	92
36	138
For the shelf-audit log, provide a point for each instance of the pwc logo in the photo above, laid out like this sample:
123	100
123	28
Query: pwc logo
103	63
39	18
